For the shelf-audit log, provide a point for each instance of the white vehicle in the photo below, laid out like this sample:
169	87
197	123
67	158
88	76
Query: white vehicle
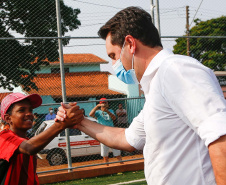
81	145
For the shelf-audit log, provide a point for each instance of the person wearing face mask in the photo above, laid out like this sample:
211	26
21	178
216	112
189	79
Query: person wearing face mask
127	76
181	128
50	115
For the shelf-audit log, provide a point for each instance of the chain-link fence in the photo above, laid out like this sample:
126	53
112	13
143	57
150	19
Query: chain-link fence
30	63
84	149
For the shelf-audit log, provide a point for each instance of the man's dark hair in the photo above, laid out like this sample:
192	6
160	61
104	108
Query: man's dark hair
132	21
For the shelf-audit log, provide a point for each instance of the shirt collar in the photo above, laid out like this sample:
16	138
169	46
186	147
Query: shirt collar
153	68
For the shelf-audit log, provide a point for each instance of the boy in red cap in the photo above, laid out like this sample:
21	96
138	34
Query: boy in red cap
18	154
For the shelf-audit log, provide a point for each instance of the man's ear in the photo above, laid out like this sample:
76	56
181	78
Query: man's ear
132	43
8	118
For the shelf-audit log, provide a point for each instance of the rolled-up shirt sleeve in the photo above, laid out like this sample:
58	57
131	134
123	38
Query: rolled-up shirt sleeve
194	93
135	134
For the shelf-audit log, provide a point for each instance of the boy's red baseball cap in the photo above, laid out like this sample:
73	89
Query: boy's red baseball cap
35	100
102	101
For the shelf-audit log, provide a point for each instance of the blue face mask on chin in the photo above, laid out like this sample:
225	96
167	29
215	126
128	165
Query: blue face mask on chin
128	77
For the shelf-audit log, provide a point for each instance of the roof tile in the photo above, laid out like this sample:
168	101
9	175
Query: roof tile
3	95
79	84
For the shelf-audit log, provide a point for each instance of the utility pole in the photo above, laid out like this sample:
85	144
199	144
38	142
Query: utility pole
152	11
59	31
158	17
187	30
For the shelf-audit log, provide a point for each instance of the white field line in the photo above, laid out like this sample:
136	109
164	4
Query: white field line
129	182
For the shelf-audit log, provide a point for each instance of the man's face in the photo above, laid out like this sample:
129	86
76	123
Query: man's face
104	105
114	51
51	111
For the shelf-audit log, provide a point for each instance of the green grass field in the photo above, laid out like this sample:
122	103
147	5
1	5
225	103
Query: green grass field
109	179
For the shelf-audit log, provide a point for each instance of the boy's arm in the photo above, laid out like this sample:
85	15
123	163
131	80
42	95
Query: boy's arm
37	143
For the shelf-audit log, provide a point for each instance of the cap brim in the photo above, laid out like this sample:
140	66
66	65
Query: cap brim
35	100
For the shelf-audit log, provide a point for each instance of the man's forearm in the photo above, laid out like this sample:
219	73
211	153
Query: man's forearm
110	136
217	151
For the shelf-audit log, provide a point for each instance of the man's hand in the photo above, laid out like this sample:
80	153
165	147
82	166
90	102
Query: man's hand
70	114
100	105
104	107
217	151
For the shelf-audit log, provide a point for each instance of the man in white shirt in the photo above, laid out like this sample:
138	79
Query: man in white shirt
182	126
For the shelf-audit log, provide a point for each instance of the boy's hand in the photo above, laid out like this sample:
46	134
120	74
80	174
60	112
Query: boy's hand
61	113
70	115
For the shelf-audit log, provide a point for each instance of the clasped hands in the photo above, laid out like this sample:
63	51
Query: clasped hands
70	114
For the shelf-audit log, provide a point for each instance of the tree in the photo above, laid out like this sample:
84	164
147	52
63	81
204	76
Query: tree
211	51
37	18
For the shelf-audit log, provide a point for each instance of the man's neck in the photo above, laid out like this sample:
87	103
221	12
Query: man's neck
150	53
145	54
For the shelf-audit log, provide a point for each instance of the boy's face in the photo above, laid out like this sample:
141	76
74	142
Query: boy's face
21	117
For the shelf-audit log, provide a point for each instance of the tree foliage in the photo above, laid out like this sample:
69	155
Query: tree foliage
30	18
211	51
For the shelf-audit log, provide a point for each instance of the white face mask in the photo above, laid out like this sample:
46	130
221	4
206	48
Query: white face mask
51	111
128	77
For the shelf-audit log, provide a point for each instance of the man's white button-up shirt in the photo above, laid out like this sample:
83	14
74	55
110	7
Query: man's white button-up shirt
184	112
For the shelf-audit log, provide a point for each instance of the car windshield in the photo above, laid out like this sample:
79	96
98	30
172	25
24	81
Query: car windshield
41	128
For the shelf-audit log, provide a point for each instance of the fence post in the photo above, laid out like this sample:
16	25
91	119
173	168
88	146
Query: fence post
63	78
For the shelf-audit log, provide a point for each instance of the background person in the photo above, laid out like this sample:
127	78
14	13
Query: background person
55	110
105	116
50	115
18	154
182	128
121	113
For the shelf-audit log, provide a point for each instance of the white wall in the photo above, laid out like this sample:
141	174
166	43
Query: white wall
114	84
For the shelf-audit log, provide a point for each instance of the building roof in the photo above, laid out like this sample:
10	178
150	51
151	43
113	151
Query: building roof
78	84
3	95
224	91
84	58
